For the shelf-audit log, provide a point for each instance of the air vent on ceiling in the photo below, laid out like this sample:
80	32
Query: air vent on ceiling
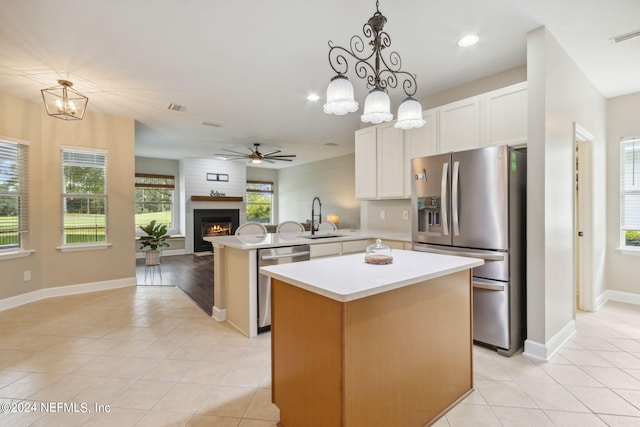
627	36
331	144
175	107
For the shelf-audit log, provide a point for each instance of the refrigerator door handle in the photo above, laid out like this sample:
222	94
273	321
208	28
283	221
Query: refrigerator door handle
443	192
454	199
493	256
489	285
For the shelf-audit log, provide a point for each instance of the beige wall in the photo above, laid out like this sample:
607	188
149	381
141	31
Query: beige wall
49	266
332	180
622	270
559	97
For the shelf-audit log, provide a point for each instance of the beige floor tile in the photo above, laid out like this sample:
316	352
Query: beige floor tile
186	398
603	401
164	419
584	357
213	421
104	390
27	385
101	366
631	396
8	377
64	417
613	377
64	389
620	359
504	393
574	419
570	375
619	421
553	397
143	394
257	423
228	401
245	375
522	417
169	370
472	416
121	417
261	407
206	372
134	367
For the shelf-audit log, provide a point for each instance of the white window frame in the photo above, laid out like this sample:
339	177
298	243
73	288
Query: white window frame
271	193
72	247
629	213
20	190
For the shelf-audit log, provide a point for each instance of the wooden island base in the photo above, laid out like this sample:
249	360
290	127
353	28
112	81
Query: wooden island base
398	358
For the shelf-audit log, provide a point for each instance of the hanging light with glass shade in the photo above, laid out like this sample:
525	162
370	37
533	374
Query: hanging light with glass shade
63	102
384	73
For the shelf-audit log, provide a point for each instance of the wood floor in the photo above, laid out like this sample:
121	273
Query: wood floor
193	274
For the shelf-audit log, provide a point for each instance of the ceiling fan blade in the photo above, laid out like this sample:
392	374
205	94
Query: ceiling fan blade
268	161
277	158
271	153
235	152
282	155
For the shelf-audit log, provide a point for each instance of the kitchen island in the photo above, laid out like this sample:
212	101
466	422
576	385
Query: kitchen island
355	344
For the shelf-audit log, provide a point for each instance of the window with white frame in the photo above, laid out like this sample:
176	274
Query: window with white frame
84	196
14	194
259	205
154	199
630	193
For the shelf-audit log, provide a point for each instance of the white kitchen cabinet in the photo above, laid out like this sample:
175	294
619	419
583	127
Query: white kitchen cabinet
391	162
460	125
366	163
354	246
420	142
325	249
504	116
380	162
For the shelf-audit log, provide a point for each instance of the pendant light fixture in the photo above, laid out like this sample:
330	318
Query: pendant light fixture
63	102
379	76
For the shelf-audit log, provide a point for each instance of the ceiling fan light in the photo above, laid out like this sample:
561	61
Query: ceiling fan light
377	107
409	115
340	99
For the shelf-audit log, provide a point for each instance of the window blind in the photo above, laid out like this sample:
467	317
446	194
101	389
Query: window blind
630	184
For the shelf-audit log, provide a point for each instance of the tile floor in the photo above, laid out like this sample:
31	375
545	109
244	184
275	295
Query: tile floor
148	356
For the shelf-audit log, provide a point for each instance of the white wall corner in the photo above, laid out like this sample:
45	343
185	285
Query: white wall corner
545	351
60	291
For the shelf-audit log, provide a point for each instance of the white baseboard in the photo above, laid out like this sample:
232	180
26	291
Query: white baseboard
547	350
620	296
60	291
219	314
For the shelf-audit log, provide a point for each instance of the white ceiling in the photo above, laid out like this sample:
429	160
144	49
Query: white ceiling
248	65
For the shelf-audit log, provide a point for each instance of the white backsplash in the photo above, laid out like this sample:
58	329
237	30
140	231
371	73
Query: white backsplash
394	221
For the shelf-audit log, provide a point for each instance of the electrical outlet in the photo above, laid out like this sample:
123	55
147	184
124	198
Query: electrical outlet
405	214
26	275
382	214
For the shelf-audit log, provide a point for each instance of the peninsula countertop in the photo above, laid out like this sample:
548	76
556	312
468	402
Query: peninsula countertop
274	240
347	278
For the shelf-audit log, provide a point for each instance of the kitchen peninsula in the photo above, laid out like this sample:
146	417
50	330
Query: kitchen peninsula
355	344
236	267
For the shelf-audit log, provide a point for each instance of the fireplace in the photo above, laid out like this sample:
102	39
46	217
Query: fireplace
211	223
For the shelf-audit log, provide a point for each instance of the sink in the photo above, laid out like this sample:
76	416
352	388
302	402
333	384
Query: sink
322	236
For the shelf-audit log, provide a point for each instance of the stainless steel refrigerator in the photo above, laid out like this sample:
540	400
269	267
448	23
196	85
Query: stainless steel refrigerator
473	203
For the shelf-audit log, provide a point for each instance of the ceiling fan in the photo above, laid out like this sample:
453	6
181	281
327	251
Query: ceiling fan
255	156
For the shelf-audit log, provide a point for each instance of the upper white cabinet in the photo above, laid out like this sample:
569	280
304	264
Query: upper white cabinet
460	125
366	163
504	116
380	162
391	162
420	142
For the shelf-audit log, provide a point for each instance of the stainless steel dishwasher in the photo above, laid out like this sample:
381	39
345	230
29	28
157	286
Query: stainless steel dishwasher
273	256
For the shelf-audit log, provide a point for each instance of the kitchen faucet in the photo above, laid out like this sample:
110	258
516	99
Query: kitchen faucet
313	214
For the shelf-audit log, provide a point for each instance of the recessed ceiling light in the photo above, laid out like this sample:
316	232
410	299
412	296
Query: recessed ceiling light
175	107
468	41
313	97
212	124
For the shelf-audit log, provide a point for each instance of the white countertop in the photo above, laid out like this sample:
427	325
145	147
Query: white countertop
273	240
347	278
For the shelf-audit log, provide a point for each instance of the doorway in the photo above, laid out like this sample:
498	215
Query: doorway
583	220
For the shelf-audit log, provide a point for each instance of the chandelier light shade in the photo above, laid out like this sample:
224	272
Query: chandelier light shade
63	102
409	115
381	73
377	107
340	97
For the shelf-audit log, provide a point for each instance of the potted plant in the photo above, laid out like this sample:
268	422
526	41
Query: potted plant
154	240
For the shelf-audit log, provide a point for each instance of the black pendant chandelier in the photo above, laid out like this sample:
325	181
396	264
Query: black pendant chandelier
382	74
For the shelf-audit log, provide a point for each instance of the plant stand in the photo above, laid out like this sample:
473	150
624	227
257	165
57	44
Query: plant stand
152	263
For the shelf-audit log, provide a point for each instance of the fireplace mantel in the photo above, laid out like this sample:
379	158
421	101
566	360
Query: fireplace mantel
216	198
